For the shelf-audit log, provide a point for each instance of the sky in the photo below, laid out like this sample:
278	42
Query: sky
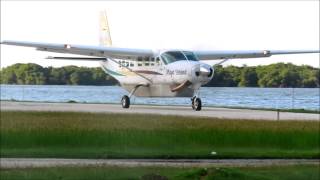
192	25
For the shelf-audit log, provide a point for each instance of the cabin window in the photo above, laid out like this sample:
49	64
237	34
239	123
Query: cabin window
139	61
146	61
131	64
152	60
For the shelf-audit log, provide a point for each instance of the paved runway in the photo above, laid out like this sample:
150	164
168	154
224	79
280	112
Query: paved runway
8	163
225	113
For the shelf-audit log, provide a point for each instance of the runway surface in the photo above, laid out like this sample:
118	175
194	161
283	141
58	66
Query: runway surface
7	163
225	113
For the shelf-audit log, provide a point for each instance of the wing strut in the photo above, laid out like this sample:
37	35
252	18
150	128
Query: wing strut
223	61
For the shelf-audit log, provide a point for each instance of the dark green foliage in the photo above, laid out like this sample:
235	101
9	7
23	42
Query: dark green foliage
249	77
73	75
287	75
274	75
226	77
23	74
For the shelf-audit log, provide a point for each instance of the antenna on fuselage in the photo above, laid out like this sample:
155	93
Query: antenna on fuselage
105	36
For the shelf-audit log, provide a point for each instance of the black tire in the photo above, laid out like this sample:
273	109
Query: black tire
197	104
192	102
125	101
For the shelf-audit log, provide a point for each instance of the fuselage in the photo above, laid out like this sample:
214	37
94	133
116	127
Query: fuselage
166	74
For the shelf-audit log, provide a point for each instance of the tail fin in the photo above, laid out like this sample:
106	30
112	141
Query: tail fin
105	37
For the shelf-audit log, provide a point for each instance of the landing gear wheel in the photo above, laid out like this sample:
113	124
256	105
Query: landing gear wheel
125	101
192	102
196	104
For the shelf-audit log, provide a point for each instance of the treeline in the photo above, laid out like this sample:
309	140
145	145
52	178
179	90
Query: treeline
67	75
274	75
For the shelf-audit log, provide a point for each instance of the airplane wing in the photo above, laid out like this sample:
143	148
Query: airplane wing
95	51
114	52
220	55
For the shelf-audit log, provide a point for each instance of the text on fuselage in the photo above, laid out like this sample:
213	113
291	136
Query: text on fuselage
176	72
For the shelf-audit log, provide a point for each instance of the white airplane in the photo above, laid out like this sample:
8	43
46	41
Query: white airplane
152	73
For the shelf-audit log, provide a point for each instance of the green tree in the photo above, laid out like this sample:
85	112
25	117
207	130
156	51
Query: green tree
25	74
8	76
317	77
249	77
81	77
225	77
57	76
289	78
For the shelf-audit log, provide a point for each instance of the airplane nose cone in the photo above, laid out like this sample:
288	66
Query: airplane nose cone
202	73
206	71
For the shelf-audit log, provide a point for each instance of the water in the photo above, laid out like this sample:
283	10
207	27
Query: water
282	98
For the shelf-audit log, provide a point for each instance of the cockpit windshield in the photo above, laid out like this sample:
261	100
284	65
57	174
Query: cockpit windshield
173	56
190	56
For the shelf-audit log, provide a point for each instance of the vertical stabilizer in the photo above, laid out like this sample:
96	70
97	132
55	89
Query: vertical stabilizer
105	37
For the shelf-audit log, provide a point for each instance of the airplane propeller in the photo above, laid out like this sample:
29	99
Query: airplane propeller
199	70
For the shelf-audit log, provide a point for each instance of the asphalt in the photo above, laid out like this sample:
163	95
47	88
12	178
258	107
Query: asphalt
9	163
225	113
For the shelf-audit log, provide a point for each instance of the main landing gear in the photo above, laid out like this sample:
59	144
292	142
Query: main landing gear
125	101
196	103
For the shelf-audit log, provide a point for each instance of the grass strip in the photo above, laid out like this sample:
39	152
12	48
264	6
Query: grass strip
298	172
92	135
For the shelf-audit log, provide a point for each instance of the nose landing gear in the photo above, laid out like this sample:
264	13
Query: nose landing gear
196	103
